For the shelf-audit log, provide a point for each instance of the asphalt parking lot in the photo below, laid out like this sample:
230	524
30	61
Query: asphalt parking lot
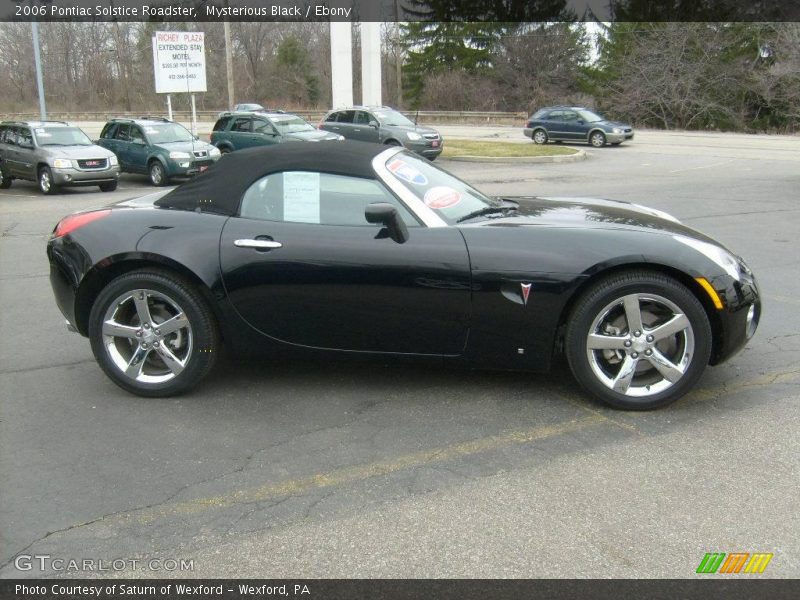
367	470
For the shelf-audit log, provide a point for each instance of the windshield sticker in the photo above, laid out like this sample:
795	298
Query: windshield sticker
403	170
301	197
442	197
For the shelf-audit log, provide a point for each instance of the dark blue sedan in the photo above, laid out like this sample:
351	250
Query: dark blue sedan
575	124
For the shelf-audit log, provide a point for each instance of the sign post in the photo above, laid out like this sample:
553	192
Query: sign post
179	66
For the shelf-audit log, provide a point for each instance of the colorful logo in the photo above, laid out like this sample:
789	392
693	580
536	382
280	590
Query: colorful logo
526	291
734	562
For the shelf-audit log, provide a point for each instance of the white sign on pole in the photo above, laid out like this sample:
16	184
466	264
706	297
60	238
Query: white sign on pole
179	62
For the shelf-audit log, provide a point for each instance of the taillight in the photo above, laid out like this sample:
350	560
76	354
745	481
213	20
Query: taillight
319	125
73	222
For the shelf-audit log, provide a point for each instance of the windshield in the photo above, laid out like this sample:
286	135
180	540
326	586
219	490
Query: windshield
169	132
291	124
445	194
589	116
61	136
392	118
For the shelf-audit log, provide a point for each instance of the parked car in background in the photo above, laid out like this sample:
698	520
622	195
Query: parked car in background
383	125
575	124
237	130
54	154
157	147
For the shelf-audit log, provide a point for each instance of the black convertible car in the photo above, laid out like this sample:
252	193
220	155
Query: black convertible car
357	248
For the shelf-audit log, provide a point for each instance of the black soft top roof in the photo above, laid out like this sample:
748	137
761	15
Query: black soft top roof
220	189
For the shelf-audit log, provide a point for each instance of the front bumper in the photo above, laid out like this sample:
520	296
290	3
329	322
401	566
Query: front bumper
616	138
426	148
738	320
72	176
179	168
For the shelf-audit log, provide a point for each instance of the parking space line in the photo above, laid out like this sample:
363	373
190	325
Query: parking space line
719	164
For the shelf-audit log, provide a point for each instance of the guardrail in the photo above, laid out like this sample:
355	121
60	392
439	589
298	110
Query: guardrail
429	116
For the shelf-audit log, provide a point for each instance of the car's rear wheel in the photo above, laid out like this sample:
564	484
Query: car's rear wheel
108	187
539	136
153	334
158	176
46	183
5	180
225	150
638	340
597	139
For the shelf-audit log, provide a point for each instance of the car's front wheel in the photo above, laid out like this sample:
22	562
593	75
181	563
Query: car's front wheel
597	139
638	340
153	334
158	176
539	136
46	183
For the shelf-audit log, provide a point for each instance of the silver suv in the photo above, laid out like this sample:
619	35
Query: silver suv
54	154
383	125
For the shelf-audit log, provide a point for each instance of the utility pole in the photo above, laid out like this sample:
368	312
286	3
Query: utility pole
229	62
38	61
398	55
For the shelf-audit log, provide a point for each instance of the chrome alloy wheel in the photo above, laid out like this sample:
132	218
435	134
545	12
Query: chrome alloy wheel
597	139
147	336
539	136
640	345
44	181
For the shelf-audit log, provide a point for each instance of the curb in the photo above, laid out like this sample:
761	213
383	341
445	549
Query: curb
560	158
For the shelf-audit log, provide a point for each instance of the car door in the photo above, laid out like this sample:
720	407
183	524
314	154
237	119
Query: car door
331	123
25	154
239	134
328	279
362	130
107	140
264	133
8	145
122	139
555	125
137	149
344	123
573	126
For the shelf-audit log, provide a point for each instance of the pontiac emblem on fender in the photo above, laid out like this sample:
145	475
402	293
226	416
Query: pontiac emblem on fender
526	291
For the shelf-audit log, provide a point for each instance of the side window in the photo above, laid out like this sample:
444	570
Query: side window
262	126
331	117
319	198
108	131
556	115
4	134
346	116
123	132
241	124
570	116
362	118
136	134
222	124
24	137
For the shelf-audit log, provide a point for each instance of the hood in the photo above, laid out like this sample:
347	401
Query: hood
608	123
420	129
593	213
77	152
315	135
185	146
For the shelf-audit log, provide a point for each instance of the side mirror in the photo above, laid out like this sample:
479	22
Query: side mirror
374	124
383	213
580	121
26	146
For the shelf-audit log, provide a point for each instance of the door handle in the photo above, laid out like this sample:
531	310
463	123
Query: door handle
258	244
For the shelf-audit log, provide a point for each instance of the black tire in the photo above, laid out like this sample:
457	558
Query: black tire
599	371
597	139
5	180
158	176
108	187
539	136
45	180
195	344
225	150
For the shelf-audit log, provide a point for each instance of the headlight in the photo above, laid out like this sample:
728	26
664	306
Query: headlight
214	152
112	160
62	163
177	155
617	129
340	138
724	259
413	136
